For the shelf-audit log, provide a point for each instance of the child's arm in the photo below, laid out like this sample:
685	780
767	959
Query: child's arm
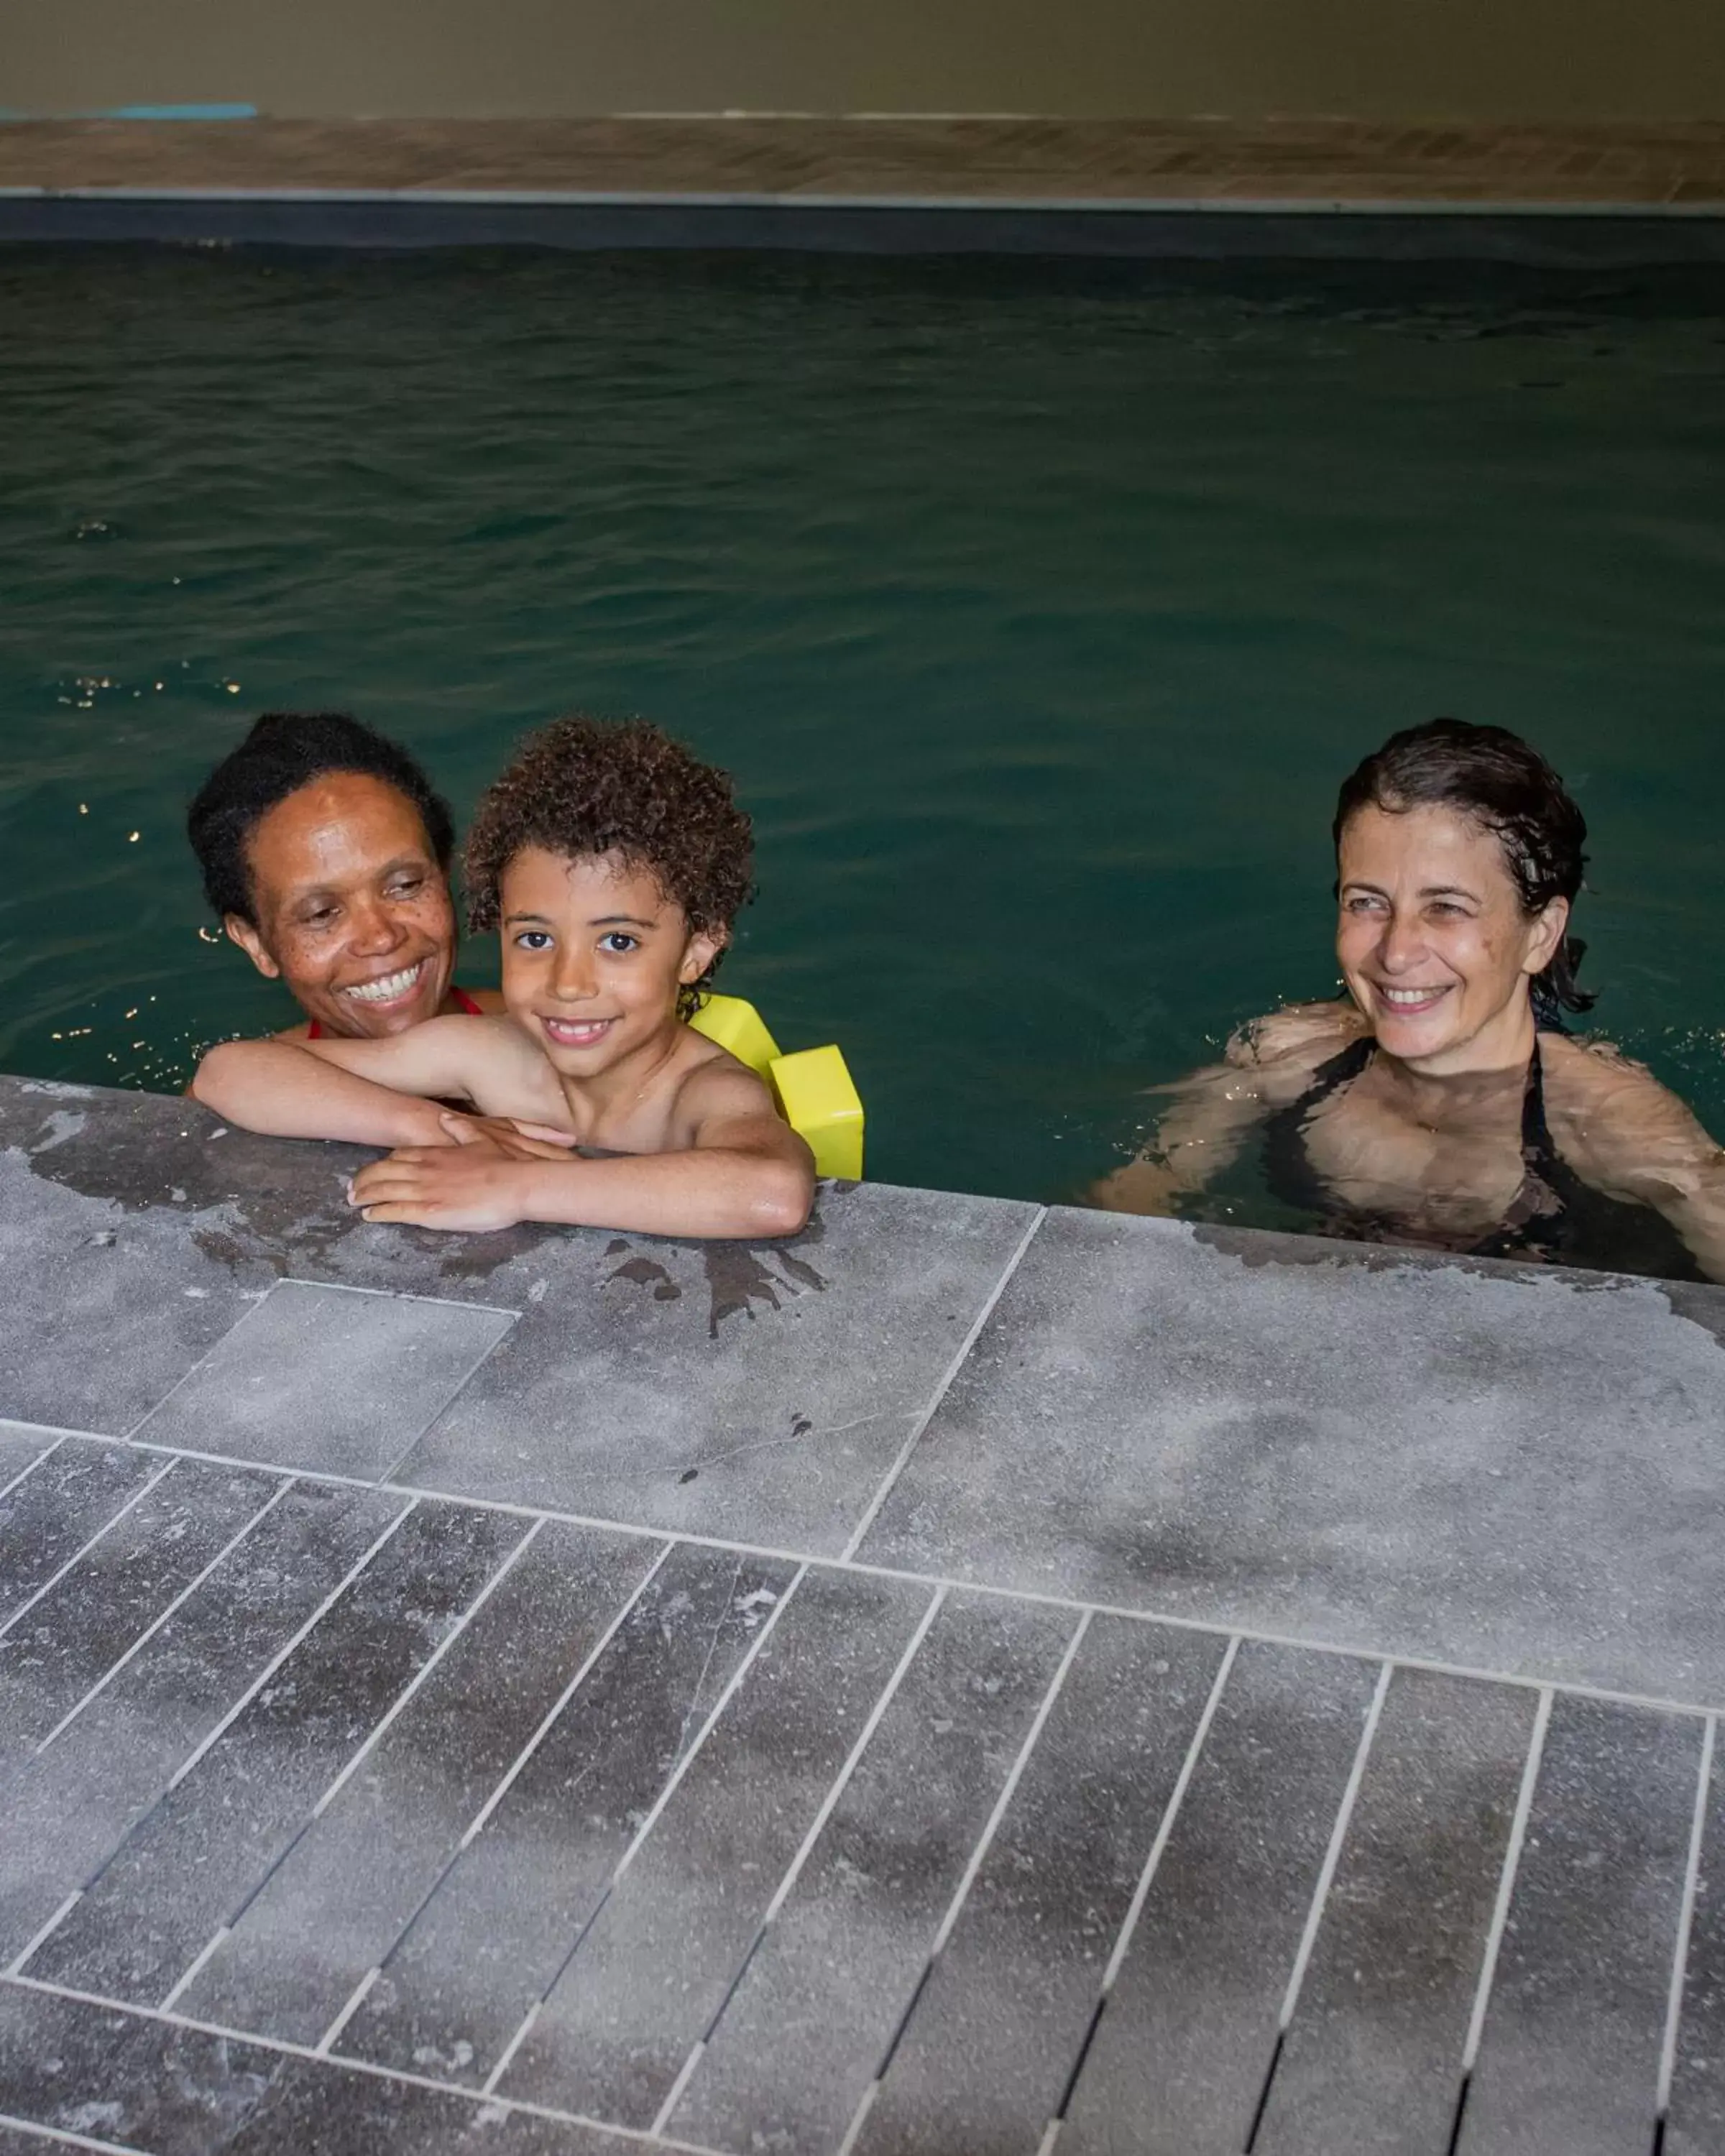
367	1091
743	1172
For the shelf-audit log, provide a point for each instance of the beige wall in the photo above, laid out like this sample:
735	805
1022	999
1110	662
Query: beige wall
1371	59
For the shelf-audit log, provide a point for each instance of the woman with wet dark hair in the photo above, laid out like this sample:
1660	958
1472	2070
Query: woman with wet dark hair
325	851
1442	1102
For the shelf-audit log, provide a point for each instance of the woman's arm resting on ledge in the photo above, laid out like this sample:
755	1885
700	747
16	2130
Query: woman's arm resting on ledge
366	1091
746	1174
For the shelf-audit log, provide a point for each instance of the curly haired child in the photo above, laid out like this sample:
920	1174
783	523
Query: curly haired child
613	864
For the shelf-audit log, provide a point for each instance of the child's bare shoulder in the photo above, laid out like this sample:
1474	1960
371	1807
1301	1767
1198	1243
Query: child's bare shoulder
713	1087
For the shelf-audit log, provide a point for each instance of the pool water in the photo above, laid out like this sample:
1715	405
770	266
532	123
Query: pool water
1038	608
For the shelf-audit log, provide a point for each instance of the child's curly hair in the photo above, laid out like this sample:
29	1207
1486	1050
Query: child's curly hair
585	787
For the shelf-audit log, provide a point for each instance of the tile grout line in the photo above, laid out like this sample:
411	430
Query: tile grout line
357	1998
674	1781
518	1766
289	1646
78	1555
391	1295
1506	1882
285	2047
1170	1816
30	1467
373	1738
817	1827
423	1674
60	2138
1135	1907
211	1736
510	1775
1686	1919
943	1388
468	1375
179	1601
15	1968
1009	1789
195	1967
1354	1651
337	1287
1332	1853
978	1856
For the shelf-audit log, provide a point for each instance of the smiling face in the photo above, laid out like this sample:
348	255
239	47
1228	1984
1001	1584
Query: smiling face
354	911
1434	943
593	954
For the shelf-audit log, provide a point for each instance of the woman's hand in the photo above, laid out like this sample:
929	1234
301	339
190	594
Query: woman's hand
508	1136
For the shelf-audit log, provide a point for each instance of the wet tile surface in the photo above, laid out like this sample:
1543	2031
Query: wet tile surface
1373	2056
1569	2062
339	1381
344	1820
188	1869
1179	2060
763	1391
349	1888
835	1972
1187	1422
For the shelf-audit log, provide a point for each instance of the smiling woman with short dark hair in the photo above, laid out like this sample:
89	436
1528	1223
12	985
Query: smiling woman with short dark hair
1442	1102
326	855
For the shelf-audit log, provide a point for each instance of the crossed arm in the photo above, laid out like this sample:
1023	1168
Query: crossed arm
734	1168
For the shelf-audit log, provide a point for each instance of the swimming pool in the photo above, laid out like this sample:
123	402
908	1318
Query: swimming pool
1039	609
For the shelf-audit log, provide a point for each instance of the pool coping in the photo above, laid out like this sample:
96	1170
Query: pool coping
1605	233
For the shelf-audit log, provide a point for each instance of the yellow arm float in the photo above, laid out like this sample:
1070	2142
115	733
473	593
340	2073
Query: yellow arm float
813	1087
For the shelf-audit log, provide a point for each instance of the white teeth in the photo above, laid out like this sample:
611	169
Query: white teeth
389	989
1408	995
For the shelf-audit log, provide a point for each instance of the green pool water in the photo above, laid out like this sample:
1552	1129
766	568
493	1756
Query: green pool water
1038	609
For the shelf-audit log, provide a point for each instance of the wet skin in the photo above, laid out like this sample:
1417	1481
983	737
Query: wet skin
350	899
1434	944
1438	955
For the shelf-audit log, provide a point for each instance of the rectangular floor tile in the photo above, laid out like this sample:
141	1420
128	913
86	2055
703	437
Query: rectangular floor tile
332	2111
21	1444
107	1295
49	1516
135	2083
329	1378
655	1966
70	1808
1179	2057
90	1617
997	2028
119	2078
1569	2062
1372	2059
346	1890
189	1868
1694	2124
766	1389
499	1926
1203	1423
803	2034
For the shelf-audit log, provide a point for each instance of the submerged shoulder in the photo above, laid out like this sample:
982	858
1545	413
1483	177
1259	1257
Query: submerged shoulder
1605	1108
1298	1035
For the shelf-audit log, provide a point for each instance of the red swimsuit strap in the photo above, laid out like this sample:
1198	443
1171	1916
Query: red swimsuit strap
463	1000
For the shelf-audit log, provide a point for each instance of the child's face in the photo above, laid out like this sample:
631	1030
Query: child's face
593	954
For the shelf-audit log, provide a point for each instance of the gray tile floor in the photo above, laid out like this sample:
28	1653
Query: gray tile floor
969	1681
